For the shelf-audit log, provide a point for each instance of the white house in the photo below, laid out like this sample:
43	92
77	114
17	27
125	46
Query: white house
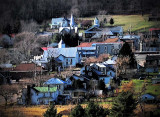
43	95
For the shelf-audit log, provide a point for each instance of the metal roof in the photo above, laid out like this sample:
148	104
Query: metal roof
45	89
54	81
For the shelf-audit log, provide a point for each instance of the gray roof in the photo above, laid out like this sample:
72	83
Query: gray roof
67	52
54	81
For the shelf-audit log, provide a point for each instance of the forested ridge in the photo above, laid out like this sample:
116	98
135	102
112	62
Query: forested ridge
12	11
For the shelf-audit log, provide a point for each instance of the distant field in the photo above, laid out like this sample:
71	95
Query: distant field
138	23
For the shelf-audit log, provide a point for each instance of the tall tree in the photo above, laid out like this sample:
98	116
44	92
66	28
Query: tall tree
111	21
101	85
123	105
78	111
94	110
126	51
51	112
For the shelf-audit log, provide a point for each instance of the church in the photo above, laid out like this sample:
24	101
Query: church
64	25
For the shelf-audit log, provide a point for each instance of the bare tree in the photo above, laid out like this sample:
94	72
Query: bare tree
4	57
7	91
121	64
25	43
101	58
30	26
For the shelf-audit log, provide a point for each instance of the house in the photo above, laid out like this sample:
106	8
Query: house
155	80
133	41
152	63
117	30
38	95
43	95
24	70
63	57
86	51
147	97
76	94
89	33
109	46
147	61
56	82
95	32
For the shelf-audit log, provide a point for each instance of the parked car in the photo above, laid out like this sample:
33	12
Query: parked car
142	76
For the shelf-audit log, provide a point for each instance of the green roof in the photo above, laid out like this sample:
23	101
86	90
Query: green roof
45	89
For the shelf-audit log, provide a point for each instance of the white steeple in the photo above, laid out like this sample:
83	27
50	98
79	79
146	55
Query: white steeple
61	44
96	22
72	23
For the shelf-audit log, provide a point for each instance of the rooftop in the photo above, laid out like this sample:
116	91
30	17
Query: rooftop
46	89
54	81
89	44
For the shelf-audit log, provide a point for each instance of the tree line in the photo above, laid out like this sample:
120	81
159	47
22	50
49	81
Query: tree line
12	11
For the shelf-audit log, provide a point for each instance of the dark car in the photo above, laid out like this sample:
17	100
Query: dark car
142	77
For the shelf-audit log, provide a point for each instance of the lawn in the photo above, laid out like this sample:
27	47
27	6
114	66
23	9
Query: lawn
153	89
150	88
138	84
137	22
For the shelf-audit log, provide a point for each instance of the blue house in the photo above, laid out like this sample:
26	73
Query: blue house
43	95
56	22
147	97
65	57
56	82
106	81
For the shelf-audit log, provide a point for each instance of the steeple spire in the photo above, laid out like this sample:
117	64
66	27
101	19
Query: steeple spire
61	44
72	23
96	22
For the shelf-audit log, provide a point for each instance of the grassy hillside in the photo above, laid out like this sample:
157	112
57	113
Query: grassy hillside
137	22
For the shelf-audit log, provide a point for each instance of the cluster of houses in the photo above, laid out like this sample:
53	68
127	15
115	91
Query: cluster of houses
112	37
79	87
74	88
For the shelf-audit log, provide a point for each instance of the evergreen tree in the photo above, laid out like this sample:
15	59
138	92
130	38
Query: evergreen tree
101	85
126	51
78	111
111	21
51	112
105	20
77	84
123	105
94	110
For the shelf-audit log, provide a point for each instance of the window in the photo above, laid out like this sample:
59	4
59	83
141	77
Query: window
71	62
58	87
105	48
66	61
97	47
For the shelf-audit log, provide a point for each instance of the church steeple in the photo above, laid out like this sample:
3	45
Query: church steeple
72	23
96	22
61	44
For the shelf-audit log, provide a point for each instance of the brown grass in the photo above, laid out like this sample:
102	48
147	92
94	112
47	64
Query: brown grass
35	111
